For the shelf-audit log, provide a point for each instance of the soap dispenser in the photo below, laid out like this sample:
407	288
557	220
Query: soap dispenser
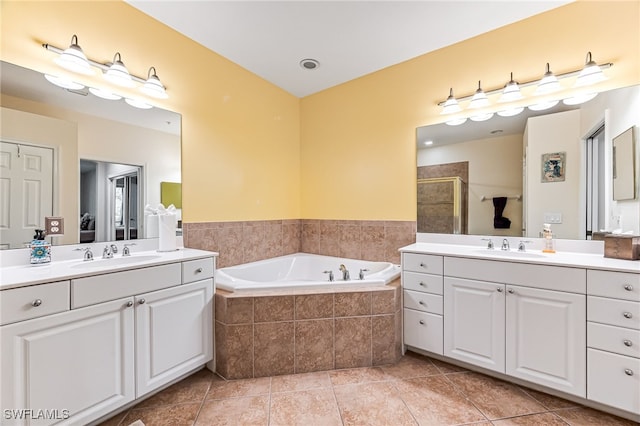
547	234
40	249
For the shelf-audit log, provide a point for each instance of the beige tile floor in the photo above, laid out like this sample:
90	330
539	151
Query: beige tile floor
415	391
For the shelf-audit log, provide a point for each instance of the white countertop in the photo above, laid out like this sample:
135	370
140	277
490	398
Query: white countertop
537	257
27	274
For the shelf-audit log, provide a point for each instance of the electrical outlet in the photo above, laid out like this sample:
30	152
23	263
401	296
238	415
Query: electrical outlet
552	217
54	226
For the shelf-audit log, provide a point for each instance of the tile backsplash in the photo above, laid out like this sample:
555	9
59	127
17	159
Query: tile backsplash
248	241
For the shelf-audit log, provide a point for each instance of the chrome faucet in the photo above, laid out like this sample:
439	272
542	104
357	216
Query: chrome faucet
505	244
489	243
330	274
361	275
114	248
88	254
521	245
107	253
345	272
125	249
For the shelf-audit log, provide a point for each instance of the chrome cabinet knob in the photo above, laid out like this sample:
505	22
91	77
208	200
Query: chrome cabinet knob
421	322
628	372
422	303
628	287
422	284
422	265
36	303
129	304
141	301
628	343
499	290
511	291
627	315
199	270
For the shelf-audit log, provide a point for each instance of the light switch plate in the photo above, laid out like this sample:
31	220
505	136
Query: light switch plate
552	217
54	226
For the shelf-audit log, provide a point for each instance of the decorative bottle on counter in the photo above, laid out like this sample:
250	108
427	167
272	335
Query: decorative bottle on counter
40	249
547	234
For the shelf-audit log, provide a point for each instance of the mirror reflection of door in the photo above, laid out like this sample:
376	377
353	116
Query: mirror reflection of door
110	199
26	192
595	183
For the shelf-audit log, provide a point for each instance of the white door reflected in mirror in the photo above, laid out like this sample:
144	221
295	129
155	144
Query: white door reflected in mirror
624	174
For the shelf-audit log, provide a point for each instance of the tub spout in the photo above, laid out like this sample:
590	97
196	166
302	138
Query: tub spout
345	272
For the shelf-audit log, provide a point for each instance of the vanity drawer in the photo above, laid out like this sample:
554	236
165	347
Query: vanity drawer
422	282
613	312
423	331
619	285
196	270
613	380
24	303
423	302
558	278
623	341
426	263
101	288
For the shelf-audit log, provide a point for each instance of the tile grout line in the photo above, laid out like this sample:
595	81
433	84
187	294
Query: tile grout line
204	399
466	397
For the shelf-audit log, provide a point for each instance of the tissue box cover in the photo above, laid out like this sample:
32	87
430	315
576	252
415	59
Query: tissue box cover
625	247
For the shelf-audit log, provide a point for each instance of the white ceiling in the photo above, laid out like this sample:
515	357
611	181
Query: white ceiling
349	38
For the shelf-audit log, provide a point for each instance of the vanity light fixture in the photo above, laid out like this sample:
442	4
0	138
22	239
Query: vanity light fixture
153	87
74	59
451	105
511	91
590	74
548	84
63	82
118	73
479	99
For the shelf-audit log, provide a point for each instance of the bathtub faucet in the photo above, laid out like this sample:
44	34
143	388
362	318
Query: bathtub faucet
345	272
330	274
362	271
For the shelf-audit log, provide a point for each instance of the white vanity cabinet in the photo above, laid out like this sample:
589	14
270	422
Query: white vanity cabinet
422	295
502	316
613	339
126	334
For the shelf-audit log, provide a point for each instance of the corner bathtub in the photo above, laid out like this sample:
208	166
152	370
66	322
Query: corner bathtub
302	271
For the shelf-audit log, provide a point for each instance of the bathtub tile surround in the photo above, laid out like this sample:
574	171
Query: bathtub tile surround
243	242
415	390
265	334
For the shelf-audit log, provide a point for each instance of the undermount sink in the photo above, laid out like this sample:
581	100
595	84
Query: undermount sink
509	253
116	261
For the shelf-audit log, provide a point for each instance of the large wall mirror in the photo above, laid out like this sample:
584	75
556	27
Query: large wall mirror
513	174
97	163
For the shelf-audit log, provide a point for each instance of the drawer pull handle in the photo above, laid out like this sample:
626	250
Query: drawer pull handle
628	372
421	322
499	290
628	287
141	301
129	304
511	291
422	303
36	303
422	284
627	343
627	315
422	265
198	270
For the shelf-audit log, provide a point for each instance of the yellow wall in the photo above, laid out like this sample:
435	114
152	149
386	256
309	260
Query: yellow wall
358	139
240	134
252	151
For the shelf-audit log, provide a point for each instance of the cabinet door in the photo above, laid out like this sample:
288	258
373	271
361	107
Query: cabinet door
174	333
78	363
546	338
474	322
